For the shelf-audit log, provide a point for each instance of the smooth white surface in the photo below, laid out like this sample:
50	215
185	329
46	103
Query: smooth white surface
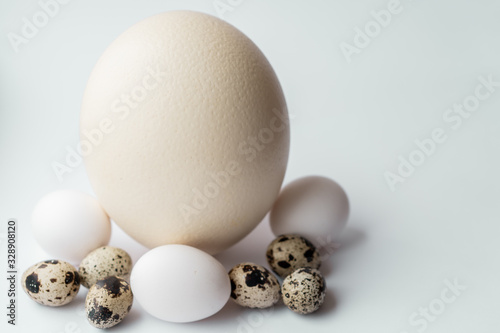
180	284
314	207
69	224
188	132
350	122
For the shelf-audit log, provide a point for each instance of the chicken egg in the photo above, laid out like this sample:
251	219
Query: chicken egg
68	224
179	283
314	207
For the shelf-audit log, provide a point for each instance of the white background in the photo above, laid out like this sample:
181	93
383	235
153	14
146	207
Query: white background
352	121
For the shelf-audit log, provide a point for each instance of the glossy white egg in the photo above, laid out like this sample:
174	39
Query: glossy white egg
179	283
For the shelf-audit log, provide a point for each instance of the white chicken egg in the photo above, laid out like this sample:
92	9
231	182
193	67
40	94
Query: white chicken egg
314	207
69	224
179	283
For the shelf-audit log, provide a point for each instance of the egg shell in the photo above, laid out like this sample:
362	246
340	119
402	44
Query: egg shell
304	290
191	130
51	282
179	283
69	224
254	286
286	253
103	262
108	302
315	207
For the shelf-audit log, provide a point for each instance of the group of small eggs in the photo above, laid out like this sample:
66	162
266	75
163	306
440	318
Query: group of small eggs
104	271
293	258
179	283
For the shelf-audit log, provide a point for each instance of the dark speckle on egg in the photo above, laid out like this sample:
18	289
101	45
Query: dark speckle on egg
256	277
253	286
99	314
108	302
77	277
114	285
69	277
309	254
284	264
289	252
32	283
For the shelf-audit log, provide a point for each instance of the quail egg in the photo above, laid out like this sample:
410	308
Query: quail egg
51	282
103	262
304	290
288	252
254	286
108	302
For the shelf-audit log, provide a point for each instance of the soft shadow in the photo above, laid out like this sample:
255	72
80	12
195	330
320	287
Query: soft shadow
351	237
233	314
328	306
133	318
77	305
229	312
252	248
327	267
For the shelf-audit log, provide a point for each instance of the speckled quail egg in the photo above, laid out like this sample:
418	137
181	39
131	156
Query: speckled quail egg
254	286
103	262
51	282
288	252
304	290
108	302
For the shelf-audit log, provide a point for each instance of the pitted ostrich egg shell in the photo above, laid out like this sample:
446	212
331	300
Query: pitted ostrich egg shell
184	131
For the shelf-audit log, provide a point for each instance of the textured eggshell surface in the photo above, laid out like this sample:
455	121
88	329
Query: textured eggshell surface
179	283
286	253
51	282
185	132
254	286
108	302
304	290
103	262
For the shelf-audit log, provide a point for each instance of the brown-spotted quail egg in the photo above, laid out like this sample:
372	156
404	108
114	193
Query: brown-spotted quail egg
288	252
254	286
103	262
51	282
108	302
304	290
